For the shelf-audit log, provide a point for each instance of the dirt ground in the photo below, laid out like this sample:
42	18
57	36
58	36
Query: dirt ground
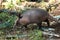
57	31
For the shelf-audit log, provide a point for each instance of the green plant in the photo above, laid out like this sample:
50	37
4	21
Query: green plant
8	20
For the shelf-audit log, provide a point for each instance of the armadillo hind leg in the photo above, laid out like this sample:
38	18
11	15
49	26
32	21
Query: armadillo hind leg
48	22
39	25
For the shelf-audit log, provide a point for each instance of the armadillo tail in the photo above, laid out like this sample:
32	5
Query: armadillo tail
52	18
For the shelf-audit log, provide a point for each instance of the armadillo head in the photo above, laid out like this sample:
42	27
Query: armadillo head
24	20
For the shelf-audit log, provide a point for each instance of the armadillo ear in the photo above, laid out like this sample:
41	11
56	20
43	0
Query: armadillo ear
19	15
